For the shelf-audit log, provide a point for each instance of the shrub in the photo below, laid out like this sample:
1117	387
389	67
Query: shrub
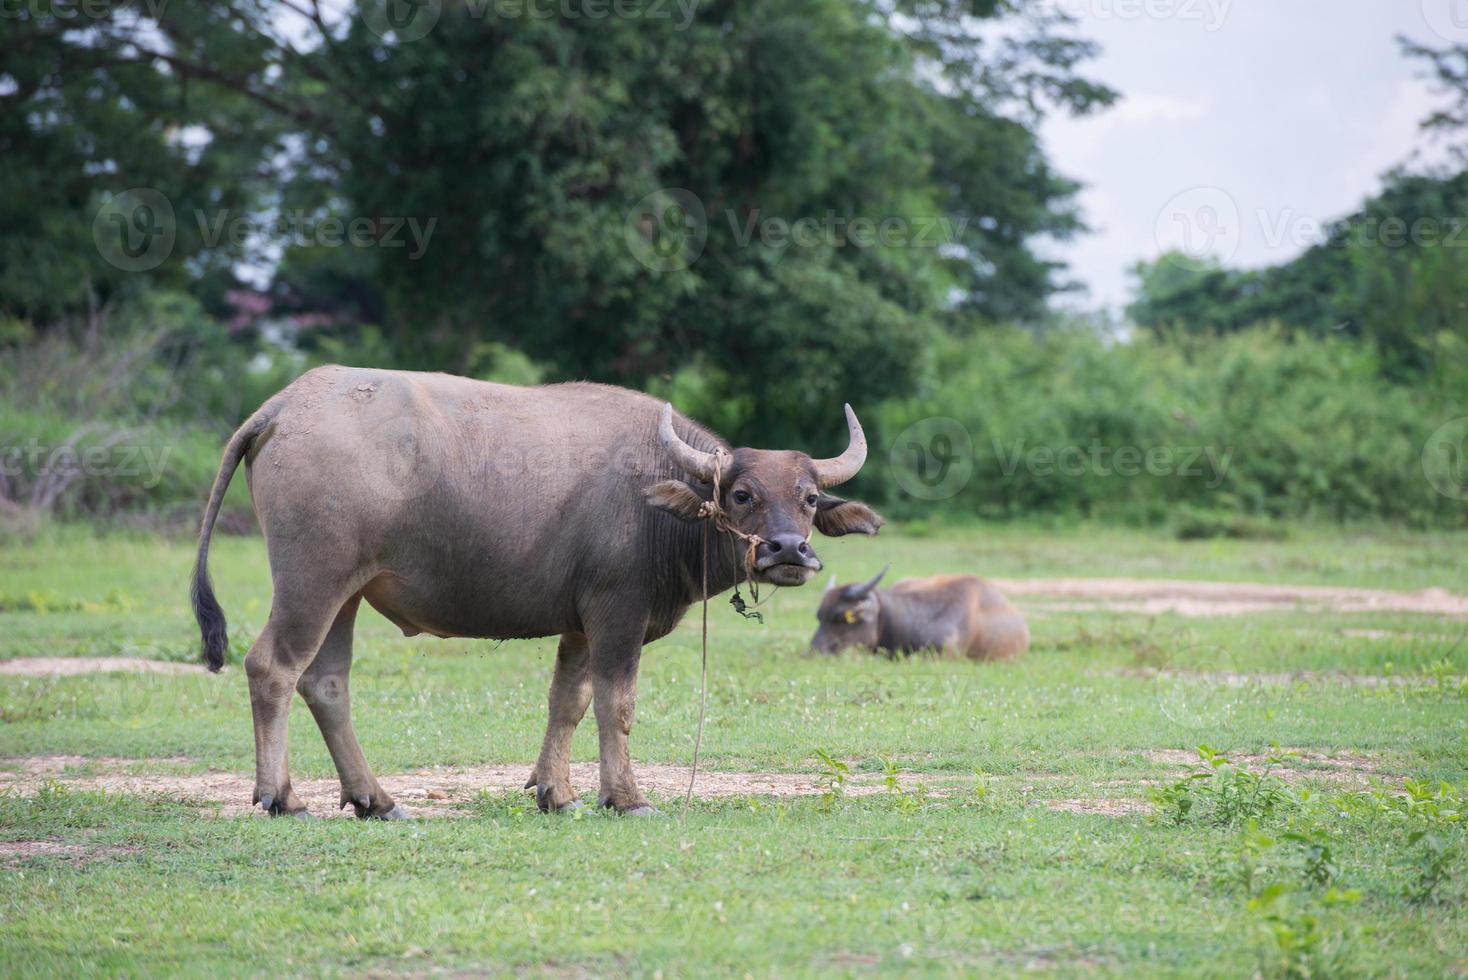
1218	436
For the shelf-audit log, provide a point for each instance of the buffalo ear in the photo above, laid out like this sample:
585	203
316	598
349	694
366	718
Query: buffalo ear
675	497
835	517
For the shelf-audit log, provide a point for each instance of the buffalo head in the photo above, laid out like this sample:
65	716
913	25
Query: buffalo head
778	495
848	616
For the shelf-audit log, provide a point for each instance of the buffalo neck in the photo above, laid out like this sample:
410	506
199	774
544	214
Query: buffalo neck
681	543
725	560
890	611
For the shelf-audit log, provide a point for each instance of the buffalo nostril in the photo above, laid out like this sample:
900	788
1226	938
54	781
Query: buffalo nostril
775	546
803	548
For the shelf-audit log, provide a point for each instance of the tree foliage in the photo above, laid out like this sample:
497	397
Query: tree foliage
1393	272
534	148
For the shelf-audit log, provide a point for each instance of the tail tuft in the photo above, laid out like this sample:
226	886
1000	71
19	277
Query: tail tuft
210	617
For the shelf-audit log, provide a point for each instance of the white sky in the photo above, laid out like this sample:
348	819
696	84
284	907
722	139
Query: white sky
1242	124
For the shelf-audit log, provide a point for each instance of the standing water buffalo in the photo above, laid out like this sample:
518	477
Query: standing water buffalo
463	508
957	614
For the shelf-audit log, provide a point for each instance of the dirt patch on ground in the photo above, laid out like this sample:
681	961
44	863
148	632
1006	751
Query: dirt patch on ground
73	666
16	851
42	767
1346	770
440	791
1107	808
1223	598
427	792
1351	770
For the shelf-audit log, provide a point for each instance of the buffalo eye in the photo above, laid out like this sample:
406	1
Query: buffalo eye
812	500
742	497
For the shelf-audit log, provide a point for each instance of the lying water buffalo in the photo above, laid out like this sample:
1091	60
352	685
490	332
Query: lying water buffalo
463	508
957	614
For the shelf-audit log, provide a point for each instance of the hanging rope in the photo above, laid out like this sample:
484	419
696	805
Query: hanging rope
712	512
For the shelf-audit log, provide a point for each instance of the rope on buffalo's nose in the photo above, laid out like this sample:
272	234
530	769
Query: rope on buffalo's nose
713	512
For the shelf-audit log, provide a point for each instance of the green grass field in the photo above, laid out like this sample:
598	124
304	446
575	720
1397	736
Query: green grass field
965	818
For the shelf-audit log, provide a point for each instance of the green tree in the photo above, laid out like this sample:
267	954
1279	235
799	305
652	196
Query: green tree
849	176
89	109
1392	272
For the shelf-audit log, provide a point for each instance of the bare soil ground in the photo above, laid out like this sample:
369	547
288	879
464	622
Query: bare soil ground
427	792
1350	770
1107	808
16	851
437	792
1222	598
72	666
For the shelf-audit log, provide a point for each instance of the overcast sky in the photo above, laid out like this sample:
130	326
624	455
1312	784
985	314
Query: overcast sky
1242	124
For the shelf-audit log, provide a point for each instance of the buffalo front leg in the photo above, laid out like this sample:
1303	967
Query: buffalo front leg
325	686
614	658
570	693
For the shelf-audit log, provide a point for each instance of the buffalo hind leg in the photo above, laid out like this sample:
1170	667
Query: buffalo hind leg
570	693
325	686
614	657
278	657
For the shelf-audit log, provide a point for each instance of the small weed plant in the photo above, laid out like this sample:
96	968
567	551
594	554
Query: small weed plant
1225	793
832	778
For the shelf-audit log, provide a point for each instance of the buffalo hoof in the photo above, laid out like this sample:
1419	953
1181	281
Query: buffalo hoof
542	800
272	807
643	809
366	809
396	813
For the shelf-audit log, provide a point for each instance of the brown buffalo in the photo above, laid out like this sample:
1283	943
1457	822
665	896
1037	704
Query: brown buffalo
462	508
957	614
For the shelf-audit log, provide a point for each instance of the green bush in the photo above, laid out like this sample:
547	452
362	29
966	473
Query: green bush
1214	435
125	415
